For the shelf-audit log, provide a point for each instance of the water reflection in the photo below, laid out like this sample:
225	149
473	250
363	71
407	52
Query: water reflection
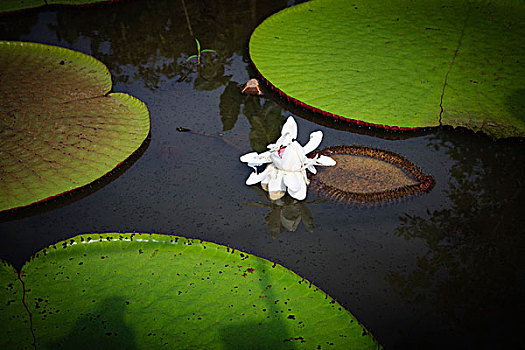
285	213
158	54
265	116
476	243
472	240
18	25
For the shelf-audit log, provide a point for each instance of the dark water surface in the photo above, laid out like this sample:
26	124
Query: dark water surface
442	270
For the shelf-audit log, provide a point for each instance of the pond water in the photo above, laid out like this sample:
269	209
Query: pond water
441	270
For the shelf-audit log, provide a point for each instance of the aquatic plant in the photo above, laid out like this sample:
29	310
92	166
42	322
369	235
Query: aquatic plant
369	176
133	290
437	63
199	52
288	163
61	128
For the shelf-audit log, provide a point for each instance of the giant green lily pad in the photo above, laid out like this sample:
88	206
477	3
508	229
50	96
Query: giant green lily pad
59	127
151	291
400	64
15	327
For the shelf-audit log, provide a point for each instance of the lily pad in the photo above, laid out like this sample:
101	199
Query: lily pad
17	5
150	291
369	175
15	327
59	127
399	64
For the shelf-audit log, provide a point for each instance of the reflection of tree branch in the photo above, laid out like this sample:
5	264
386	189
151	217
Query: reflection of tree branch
147	40
265	121
187	18
264	116
474	258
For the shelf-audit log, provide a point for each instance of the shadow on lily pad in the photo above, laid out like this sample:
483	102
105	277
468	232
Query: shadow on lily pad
102	328
131	290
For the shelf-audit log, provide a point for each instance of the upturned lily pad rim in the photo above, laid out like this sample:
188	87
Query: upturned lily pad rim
65	198
334	123
356	122
425	182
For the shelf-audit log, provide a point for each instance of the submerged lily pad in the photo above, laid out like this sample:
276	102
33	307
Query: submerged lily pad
369	175
399	64
150	291
59	127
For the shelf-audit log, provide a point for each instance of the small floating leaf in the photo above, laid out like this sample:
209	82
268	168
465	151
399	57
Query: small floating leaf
151	291
59	129
364	174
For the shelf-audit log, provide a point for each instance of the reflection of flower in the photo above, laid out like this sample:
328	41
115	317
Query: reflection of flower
287	163
285	213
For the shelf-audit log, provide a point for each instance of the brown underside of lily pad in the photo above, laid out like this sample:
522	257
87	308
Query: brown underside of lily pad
369	175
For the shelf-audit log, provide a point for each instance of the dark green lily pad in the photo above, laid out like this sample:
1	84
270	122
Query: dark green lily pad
17	5
151	291
399	64
488	73
15	328
59	127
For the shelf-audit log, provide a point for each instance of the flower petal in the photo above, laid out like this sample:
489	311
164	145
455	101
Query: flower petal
254	178
325	161
282	141
311	169
310	162
249	157
315	140
275	195
288	134
276	182
258	177
290	127
256	159
293	180
300	193
293	157
276	160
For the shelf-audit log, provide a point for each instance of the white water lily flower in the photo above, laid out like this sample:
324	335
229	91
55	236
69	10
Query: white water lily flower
287	163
